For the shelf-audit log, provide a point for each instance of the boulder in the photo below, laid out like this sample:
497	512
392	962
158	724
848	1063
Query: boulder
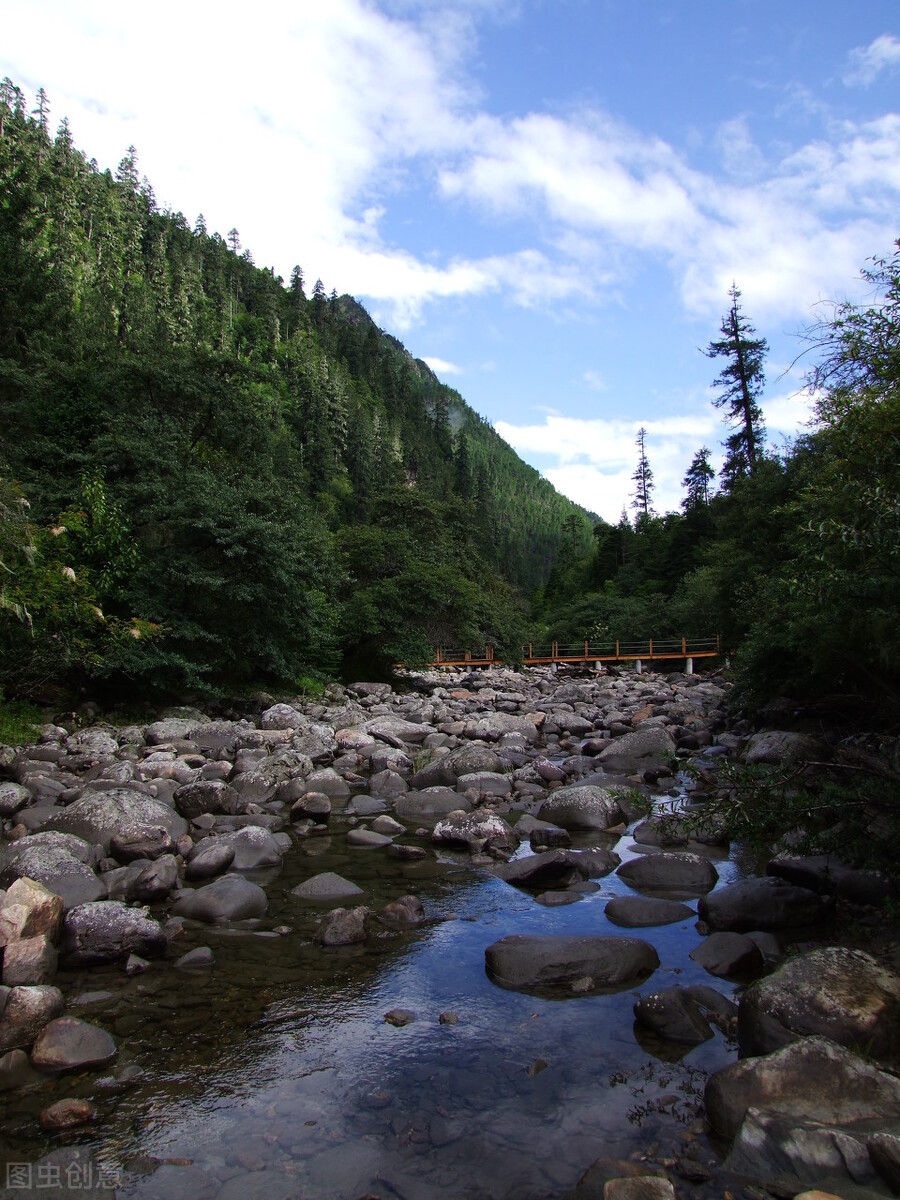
57	861
327	885
682	874
430	802
29	910
835	992
581	807
395	729
646	749
255	848
764	904
728	954
230	898
67	1114
128	847
207	796
673	1014
474	830
367	839
155	881
569	965
108	931
492	727
99	816
403	913
790	1155
171	729
776	746
29	961
827	874
68	1044
635	912
13	797
27	1011
208	858
281	716
811	1079
343	927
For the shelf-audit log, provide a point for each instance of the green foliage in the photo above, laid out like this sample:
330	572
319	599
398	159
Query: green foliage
221	449
855	816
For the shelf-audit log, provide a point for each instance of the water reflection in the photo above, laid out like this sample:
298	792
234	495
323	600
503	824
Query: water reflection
275	1073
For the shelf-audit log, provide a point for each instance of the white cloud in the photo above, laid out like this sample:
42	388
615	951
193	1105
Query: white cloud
440	366
594	459
868	62
325	113
595	380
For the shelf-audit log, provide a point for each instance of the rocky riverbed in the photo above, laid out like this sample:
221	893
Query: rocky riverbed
443	942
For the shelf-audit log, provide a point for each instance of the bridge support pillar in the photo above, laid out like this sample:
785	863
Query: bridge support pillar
689	666
553	668
638	666
598	667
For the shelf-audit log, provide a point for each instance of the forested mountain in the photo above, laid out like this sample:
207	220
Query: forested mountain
211	479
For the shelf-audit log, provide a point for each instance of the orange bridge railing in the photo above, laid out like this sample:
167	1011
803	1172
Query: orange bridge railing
651	650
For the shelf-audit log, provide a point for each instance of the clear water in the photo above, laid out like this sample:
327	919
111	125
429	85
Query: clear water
275	1075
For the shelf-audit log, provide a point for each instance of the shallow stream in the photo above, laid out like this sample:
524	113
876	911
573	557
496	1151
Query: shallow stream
274	1074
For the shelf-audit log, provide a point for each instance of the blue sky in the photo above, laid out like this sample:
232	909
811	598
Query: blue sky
546	199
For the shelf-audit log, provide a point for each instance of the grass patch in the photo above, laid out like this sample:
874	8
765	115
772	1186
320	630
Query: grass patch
20	722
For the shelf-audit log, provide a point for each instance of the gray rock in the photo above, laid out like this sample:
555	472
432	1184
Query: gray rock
764	904
474	831
314	805
791	1154
208	858
646	749
199	959
388	826
129	847
581	807
776	746
220	739
569	965
812	1079
108	931
405	912
254	848
29	909
387	783
171	729
728	954
155	881
68	1044
835	992
207	796
13	797
326	886
635	912
825	873
29	961
367	839
491	728
57	861
673	1014
677	874
552	867
394	729
27	1011
485	783
430	802
281	716
15	1070
884	1153
99	816
343	927
230	898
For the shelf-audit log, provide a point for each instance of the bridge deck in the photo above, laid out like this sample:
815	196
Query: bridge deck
650	650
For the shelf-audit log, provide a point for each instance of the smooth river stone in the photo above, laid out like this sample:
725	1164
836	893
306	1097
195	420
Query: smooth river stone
636	912
68	1044
569	965
230	898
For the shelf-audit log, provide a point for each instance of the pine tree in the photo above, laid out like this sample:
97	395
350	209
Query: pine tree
696	481
740	382
643	479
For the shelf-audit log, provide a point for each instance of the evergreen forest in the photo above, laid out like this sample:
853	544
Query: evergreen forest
213	480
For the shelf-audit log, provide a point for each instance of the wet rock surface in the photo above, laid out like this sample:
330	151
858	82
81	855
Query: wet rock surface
245	898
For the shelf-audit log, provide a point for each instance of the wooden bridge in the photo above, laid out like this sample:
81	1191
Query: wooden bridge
651	650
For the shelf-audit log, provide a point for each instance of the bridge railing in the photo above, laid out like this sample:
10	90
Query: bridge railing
647	650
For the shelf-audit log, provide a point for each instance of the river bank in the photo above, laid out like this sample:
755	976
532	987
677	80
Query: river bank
434	943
